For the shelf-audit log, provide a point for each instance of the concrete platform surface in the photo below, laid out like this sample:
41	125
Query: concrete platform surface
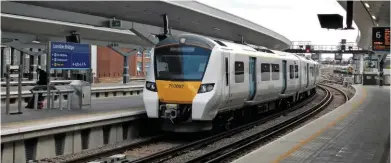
98	106
66	120
355	132
27	88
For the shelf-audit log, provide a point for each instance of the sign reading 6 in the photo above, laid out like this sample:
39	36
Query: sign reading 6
378	35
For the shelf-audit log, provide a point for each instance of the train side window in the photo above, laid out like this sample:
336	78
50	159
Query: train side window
296	71
226	72
265	72
291	71
275	72
239	72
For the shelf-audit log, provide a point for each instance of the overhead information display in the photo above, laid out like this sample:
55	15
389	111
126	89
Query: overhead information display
381	38
65	55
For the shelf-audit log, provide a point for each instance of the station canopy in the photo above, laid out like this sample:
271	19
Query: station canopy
184	17
368	14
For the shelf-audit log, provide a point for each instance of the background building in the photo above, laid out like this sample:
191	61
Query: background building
110	64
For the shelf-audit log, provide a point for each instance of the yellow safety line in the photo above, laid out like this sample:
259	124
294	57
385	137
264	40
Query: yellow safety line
313	136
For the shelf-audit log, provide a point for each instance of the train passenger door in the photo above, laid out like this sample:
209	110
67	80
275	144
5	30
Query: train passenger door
307	74
284	79
252	78
226	80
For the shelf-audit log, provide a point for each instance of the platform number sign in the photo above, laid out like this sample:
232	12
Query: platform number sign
381	38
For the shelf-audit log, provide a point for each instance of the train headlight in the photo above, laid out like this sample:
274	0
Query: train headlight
151	86
206	88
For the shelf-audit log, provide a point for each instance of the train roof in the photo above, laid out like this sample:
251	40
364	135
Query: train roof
245	49
265	52
253	51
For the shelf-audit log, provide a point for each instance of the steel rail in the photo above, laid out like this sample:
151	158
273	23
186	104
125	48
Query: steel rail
172	152
225	152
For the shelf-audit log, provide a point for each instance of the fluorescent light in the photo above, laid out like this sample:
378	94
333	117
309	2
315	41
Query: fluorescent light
373	17
35	41
367	5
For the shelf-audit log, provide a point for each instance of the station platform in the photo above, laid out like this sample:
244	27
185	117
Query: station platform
358	131
99	107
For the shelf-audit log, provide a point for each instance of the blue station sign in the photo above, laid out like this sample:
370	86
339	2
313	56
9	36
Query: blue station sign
65	55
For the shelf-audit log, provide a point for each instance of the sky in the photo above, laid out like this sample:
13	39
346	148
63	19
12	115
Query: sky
295	19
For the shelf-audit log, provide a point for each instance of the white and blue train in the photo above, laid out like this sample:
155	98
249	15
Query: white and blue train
193	79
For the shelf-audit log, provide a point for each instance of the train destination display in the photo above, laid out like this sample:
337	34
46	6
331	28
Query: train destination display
381	38
70	55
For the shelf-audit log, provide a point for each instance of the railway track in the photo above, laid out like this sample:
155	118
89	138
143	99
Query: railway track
223	152
218	154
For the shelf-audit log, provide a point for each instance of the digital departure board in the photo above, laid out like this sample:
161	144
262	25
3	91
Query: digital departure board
381	38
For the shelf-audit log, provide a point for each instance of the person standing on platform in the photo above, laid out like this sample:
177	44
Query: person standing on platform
41	83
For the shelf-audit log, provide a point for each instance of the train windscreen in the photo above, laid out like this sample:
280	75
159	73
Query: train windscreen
181	62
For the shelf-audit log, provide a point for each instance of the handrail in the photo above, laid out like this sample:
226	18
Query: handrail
93	90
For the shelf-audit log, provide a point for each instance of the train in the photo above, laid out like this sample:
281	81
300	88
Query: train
346	69
194	80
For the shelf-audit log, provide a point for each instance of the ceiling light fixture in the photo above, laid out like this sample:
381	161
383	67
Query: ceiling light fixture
36	40
367	5
373	17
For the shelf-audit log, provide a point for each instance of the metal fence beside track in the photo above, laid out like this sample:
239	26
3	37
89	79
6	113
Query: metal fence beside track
96	92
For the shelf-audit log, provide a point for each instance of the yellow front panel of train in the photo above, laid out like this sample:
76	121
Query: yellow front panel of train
177	92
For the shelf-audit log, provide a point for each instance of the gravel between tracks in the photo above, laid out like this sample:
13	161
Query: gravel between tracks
65	158
242	135
151	148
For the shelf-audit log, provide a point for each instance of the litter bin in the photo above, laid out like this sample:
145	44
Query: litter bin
81	97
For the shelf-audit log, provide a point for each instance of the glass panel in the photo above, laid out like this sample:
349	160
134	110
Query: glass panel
139	66
148	53
275	72
181	62
265	72
239	72
291	72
